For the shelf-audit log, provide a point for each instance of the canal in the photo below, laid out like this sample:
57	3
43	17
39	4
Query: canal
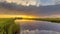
38	27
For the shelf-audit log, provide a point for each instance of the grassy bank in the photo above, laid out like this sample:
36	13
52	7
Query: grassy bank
8	26
56	20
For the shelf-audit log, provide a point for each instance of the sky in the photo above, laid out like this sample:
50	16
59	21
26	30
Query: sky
47	8
48	2
33	2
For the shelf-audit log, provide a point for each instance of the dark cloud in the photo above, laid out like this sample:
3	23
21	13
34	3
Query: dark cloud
33	10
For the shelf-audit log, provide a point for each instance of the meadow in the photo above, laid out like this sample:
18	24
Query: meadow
53	20
56	20
8	26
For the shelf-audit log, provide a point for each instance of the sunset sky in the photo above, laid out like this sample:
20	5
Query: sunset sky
46	8
43	2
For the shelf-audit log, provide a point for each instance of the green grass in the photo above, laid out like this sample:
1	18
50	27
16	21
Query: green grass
56	20
8	26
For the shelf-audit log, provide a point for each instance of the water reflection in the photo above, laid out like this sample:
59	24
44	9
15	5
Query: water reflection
39	27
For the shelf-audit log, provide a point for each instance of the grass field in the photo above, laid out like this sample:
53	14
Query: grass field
56	20
8	26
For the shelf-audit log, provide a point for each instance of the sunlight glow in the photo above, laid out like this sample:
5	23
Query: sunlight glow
19	16
16	16
23	20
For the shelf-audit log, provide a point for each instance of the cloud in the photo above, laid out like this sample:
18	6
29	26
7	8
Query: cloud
50	10
57	1
34	2
25	2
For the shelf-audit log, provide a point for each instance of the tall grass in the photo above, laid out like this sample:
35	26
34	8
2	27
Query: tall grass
56	20
8	26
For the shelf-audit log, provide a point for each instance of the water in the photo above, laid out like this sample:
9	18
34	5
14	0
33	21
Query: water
39	27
